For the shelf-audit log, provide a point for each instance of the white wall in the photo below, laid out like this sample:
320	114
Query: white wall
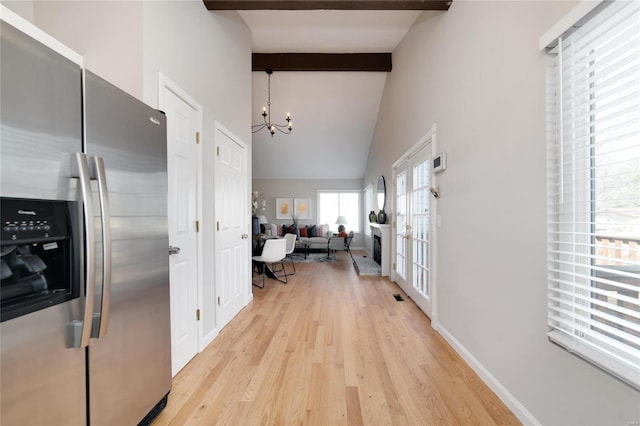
207	54
107	33
24	8
477	72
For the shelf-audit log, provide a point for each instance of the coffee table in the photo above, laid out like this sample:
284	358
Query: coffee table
306	245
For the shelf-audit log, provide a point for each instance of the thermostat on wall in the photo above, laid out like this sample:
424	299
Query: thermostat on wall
440	162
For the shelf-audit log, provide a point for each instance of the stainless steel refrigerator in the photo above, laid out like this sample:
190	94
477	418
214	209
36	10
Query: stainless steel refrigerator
85	330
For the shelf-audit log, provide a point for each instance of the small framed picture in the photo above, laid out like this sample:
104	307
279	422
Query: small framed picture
302	208
284	208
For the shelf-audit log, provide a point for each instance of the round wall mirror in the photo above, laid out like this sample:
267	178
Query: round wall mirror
382	192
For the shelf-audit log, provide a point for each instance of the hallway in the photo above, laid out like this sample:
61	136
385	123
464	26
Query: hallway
330	348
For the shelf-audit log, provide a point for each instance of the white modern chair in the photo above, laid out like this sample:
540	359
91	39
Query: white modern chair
291	246
274	250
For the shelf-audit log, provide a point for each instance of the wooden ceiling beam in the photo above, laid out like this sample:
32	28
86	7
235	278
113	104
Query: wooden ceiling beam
321	62
327	5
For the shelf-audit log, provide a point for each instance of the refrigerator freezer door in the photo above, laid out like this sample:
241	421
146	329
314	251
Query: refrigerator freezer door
41	118
42	379
130	366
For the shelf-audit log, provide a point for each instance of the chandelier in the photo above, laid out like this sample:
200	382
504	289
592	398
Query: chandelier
266	115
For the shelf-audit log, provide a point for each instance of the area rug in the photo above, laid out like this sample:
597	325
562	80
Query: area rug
313	257
366	266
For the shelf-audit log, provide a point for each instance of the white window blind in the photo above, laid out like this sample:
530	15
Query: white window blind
593	192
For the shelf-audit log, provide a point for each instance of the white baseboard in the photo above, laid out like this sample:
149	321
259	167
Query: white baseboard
509	400
208	338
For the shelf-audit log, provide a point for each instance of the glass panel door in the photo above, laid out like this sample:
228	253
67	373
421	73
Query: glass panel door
413	251
421	221
401	225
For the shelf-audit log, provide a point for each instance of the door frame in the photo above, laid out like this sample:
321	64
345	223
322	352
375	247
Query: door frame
165	82
429	137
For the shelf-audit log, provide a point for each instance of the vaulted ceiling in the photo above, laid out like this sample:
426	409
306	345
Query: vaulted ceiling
333	112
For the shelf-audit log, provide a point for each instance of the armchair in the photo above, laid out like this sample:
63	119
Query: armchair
340	243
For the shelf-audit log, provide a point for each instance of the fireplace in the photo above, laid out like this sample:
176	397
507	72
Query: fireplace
381	246
377	249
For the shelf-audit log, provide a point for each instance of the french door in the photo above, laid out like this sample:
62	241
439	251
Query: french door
413	228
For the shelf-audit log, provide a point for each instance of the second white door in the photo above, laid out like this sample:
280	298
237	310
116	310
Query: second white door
232	242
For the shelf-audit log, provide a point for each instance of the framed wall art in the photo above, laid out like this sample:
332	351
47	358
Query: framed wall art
284	208
302	208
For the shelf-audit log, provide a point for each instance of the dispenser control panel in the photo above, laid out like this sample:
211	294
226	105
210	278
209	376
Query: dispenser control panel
26	219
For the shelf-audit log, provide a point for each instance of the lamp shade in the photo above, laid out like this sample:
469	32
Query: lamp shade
263	220
341	220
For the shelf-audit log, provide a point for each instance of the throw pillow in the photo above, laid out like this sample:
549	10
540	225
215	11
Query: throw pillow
303	232
312	232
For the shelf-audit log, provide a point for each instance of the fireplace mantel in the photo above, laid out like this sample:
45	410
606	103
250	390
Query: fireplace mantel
384	232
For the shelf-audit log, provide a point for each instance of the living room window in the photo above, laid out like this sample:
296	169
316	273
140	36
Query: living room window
332	204
368	207
593	189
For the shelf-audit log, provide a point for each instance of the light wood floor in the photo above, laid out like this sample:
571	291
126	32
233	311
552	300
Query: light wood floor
330	348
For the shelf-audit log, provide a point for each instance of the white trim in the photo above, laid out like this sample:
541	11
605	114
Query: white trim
208	338
595	356
166	82
519	410
17	21
581	10
416	147
434	232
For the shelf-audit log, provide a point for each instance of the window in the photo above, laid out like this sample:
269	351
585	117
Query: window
368	207
594	190
332	204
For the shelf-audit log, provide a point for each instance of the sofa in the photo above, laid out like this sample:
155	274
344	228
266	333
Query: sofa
315	236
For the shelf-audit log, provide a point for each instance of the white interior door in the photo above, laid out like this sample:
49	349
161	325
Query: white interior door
182	156
414	230
232	243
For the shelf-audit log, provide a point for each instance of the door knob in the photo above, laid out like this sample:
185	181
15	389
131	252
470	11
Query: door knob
173	250
245	236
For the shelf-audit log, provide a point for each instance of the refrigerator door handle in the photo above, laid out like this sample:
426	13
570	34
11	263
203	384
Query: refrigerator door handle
81	329
101	320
